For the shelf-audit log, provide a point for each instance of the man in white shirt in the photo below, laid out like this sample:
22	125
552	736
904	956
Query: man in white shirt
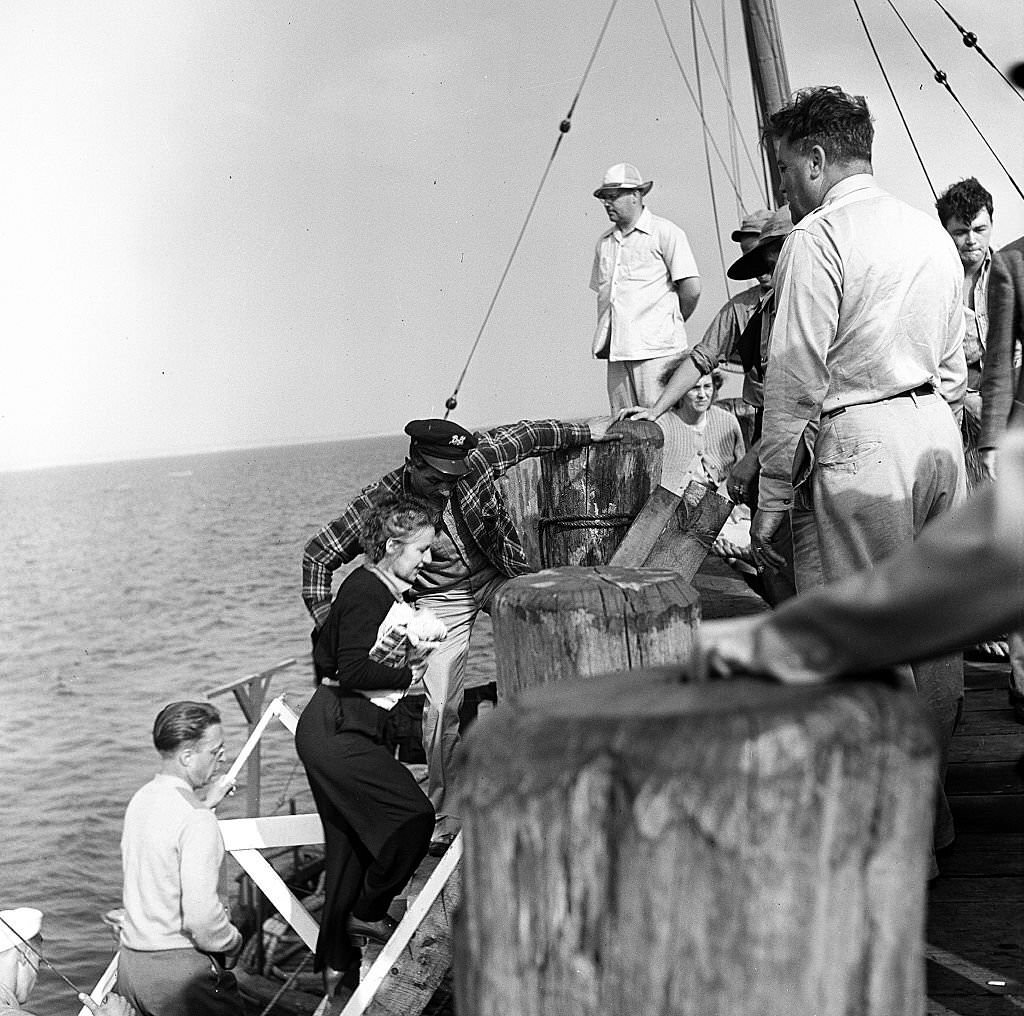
865	369
177	939
647	286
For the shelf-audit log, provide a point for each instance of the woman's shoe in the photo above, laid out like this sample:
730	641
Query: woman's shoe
379	931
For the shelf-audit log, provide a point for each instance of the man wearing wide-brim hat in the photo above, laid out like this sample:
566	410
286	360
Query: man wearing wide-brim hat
647	286
475	552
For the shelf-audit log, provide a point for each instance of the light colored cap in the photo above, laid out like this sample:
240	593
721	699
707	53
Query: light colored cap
776	229
623	176
751	224
26	921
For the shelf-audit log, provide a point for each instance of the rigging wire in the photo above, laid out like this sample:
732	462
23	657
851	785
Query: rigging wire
563	129
896	102
707	151
942	78
727	84
79	994
693	97
970	40
727	90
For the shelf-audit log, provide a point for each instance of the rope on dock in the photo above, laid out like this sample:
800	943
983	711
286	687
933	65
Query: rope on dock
287	984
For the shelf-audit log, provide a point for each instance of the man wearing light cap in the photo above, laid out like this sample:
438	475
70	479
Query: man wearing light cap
647	286
20	942
476	550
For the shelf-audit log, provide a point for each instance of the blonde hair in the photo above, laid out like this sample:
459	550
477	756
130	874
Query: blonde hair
395	518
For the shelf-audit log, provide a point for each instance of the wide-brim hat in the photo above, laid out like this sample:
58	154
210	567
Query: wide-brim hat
442	444
752	224
773	232
623	176
26	922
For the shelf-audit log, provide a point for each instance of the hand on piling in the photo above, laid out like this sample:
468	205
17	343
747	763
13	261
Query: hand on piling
636	413
599	429
725	648
112	1005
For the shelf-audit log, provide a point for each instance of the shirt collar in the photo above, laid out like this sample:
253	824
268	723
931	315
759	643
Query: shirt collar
7	997
396	586
849	184
643	224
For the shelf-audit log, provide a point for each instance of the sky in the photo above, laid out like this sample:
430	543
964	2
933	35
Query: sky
251	223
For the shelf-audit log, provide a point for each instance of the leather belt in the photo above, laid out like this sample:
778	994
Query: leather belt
924	389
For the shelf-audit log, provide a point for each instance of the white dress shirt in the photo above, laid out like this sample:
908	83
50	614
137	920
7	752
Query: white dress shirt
868	305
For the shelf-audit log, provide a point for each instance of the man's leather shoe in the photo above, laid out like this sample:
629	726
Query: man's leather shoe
379	931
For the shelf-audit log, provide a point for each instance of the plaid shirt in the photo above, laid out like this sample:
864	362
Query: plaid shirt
475	501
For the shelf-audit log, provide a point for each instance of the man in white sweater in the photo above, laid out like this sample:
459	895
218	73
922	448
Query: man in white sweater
178	940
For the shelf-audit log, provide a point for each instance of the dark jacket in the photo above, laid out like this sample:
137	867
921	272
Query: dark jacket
1000	381
342	651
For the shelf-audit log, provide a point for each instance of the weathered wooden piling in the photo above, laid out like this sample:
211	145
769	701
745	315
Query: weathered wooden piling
638	845
572	507
564	623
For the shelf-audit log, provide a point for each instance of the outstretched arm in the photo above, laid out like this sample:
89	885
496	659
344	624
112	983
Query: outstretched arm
961	581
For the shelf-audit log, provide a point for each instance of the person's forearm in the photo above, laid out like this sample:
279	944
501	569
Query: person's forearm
684	378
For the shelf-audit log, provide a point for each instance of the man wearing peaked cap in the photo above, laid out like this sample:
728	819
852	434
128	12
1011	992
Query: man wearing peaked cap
20	941
647	286
442	444
476	550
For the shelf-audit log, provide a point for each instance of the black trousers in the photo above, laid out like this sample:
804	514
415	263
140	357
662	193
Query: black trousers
377	822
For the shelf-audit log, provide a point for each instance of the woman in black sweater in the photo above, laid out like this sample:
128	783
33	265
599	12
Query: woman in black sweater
377	822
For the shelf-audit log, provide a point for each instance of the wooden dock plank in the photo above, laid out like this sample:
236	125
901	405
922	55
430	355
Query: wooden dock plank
984	778
988	747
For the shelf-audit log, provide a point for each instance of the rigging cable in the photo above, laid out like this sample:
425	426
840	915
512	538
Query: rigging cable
563	129
727	84
689	88
942	79
896	102
726	89
970	40
707	151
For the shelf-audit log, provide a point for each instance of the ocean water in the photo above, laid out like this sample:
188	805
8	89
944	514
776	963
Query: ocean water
125	586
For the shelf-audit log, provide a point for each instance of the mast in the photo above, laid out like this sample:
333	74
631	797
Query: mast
767	69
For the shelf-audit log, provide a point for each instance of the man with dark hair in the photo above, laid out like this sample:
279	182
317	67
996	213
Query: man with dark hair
965	211
177	940
476	550
865	362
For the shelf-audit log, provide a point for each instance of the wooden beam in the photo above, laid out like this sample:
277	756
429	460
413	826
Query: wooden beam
104	986
261	675
268	832
691	530
414	960
270	882
642	535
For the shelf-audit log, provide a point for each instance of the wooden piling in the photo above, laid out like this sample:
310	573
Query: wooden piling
588	497
565	623
638	845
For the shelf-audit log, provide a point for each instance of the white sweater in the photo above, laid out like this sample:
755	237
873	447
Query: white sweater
171	853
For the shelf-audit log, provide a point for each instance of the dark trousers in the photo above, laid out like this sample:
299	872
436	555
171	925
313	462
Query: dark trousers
377	822
177	982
